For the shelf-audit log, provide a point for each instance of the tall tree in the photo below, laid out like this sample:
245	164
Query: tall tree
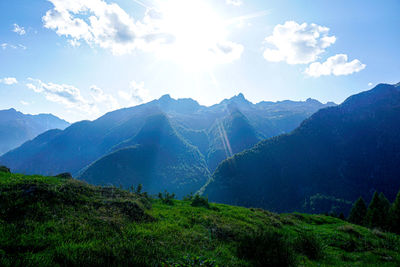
378	211
359	212
395	215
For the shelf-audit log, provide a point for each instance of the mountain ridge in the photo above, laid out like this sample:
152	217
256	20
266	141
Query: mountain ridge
347	146
17	127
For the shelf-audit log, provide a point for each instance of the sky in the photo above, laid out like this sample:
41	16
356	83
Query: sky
79	59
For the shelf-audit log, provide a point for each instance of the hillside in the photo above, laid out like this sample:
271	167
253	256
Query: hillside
156	157
16	128
84	142
336	156
49	221
228	136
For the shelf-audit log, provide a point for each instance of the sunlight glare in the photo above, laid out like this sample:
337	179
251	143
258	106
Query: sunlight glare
199	33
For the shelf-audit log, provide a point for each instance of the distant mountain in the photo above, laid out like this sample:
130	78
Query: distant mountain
230	135
80	145
17	128
334	157
156	157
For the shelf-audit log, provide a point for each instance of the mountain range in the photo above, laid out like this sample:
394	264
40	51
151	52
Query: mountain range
16	128
337	155
181	139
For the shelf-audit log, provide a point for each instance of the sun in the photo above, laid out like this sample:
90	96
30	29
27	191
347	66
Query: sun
200	33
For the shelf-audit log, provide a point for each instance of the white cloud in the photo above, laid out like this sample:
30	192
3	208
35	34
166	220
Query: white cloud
24	103
18	29
9	80
370	84
137	94
64	94
4	46
336	65
99	23
297	43
226	52
234	2
105	99
176	30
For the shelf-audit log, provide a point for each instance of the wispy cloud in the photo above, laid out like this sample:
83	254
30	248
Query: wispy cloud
234	2
5	46
67	95
336	65
18	29
136	94
9	81
71	97
102	98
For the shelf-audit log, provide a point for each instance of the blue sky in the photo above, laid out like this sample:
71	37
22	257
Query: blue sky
80	59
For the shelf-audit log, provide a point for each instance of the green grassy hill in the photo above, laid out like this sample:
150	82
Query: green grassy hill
50	221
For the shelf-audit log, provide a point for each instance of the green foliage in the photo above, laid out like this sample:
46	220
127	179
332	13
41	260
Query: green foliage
190	260
167	198
310	245
266	248
394	215
200	201
378	212
5	169
139	189
47	221
188	197
319	203
65	175
358	212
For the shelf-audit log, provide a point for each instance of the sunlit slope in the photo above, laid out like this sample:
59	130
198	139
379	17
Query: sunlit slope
156	157
48	221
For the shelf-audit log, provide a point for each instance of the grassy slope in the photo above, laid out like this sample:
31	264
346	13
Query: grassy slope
47	221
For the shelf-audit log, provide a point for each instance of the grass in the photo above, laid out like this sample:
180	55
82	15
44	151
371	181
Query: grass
49	221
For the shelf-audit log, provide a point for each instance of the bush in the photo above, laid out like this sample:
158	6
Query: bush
167	198
199	201
188	197
310	245
5	169
65	175
266	248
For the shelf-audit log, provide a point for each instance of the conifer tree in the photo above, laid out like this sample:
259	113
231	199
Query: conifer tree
378	211
385	203
358	212
395	215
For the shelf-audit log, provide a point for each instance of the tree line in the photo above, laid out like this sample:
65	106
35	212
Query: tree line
380	213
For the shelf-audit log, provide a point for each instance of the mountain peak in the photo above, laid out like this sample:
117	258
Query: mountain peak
166	97
312	100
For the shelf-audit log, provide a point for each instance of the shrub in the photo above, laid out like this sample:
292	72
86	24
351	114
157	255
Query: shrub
310	245
167	198
200	201
188	197
266	248
65	175
5	169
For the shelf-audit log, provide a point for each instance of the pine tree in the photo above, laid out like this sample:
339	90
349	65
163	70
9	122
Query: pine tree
385	204
358	212
378	211
395	215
